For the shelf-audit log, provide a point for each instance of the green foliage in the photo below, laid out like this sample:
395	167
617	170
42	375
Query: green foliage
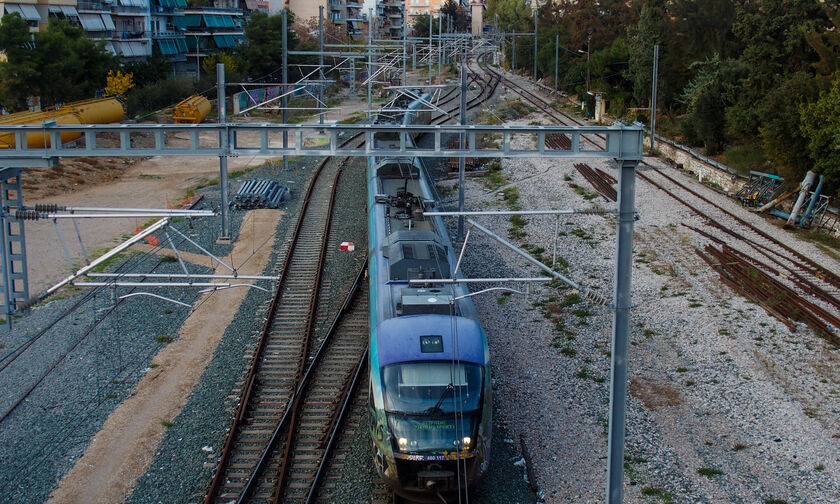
821	125
156	68
263	52
59	64
158	95
780	130
709	472
513	15
826	42
421	26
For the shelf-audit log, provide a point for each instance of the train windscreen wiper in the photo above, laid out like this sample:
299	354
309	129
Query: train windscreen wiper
436	408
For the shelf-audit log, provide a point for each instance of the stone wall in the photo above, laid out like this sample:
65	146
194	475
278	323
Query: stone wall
706	170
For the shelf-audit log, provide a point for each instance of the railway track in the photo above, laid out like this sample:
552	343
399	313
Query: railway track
282	349
294	400
805	273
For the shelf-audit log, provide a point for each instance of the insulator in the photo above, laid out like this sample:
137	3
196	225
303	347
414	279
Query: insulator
47	207
27	215
29	303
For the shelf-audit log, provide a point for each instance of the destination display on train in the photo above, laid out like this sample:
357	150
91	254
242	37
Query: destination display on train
431	344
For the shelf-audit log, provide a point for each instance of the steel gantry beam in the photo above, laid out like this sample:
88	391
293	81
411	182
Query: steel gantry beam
622	141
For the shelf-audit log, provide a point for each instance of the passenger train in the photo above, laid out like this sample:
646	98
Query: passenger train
430	395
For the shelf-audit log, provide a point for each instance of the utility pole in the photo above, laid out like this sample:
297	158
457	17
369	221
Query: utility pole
556	60
513	55
440	47
321	64
535	46
371	26
352	77
621	330
431	25
284	87
223	143
588	40
462	144
404	54
653	97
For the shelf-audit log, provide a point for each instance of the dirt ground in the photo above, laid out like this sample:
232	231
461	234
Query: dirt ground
108	470
122	450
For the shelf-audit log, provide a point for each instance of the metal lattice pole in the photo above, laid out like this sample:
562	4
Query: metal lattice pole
535	46
223	143
556	60
653	97
285	99
321	64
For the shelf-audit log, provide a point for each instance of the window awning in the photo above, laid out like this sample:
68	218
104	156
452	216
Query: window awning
227	21
133	3
167	46
110	48
224	41
108	22
182	4
182	45
131	49
69	11
26	11
192	20
91	22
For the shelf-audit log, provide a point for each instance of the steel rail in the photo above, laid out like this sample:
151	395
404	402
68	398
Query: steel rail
248	387
304	354
250	379
804	263
342	413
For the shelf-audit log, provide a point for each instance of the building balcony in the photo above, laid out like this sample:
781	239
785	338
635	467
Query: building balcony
168	34
135	35
93	7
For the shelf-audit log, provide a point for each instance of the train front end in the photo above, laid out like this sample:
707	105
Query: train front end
431	405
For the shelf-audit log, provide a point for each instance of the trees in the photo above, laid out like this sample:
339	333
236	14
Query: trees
263	52
453	10
421	26
19	71
781	132
58	64
706	98
821	126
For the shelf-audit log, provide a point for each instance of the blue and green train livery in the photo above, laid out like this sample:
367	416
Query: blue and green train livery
430	394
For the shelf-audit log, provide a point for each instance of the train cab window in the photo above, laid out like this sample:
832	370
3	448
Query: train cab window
432	387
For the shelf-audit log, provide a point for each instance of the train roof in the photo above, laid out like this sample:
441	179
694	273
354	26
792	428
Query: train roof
400	339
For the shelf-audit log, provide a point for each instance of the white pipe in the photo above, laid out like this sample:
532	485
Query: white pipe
106	256
182	275
805	186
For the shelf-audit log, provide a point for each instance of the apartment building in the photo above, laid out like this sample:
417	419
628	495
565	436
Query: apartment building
136	29
210	30
347	13
29	10
416	8
389	15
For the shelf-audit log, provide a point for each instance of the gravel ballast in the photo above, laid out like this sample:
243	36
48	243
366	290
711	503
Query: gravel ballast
726	405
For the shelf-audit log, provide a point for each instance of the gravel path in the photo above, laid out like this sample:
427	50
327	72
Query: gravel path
734	409
42	437
184	464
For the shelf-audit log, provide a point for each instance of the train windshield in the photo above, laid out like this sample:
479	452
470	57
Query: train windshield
432	388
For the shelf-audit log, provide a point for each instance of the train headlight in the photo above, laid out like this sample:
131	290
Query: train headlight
467	440
403	442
